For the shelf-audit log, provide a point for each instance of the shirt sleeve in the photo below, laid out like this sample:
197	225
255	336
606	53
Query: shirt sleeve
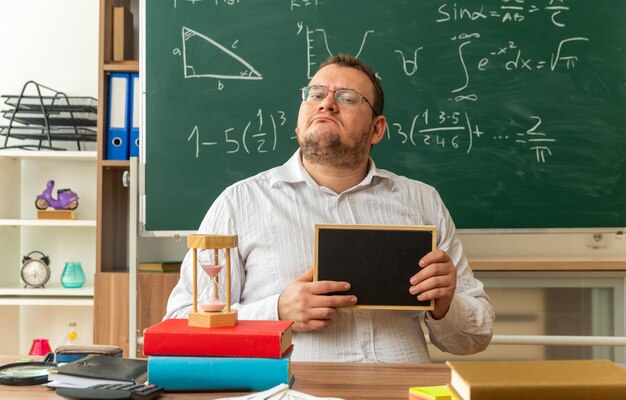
222	218
467	328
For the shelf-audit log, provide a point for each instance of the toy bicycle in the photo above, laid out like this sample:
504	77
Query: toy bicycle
66	199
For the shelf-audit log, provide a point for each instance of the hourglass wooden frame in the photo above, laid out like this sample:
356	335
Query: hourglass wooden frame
209	319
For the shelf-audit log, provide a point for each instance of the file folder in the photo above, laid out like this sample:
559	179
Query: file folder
118	121
135	116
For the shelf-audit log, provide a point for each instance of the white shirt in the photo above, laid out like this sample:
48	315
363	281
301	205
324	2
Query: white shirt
274	215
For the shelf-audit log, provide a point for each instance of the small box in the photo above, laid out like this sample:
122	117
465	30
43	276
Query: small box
122	34
56	214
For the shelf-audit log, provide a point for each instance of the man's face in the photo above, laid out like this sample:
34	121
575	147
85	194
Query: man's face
337	135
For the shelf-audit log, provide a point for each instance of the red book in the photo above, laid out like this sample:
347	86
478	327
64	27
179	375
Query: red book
263	339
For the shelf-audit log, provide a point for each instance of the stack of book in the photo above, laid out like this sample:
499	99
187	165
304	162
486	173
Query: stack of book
550	380
252	355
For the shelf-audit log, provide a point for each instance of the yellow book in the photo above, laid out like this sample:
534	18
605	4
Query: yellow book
429	393
524	380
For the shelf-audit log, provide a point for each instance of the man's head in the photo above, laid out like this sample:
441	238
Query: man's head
346	60
340	116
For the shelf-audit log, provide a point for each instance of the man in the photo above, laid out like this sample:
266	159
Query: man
332	179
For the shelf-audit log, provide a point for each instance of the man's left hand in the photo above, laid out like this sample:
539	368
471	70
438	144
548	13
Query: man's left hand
435	280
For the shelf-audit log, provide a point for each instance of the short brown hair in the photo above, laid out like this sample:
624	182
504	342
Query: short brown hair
347	60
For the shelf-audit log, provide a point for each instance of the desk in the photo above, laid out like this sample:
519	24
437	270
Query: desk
345	380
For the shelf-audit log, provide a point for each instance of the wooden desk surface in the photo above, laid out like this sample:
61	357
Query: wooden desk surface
344	380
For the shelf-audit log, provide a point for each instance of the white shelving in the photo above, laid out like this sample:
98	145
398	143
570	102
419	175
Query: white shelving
45	312
48	155
49	222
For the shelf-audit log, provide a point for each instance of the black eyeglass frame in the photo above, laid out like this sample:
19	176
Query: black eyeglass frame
334	92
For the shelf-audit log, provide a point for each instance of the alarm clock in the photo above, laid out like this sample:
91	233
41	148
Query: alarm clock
35	271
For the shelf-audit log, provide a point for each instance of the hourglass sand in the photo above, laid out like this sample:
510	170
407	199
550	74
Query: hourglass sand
213	303
213	313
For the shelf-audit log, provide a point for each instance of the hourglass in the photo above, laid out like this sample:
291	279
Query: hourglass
213	312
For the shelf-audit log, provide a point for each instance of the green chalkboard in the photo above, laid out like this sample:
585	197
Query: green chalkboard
514	111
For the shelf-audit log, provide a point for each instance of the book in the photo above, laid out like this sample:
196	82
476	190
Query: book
122	34
97	369
262	338
523	380
440	392
218	373
160	266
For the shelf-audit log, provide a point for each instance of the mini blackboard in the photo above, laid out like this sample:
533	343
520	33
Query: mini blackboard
377	260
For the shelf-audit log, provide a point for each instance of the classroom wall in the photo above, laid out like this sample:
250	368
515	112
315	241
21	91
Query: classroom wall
54	43
544	247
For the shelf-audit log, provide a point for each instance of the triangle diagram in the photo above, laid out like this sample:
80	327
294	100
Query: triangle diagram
203	57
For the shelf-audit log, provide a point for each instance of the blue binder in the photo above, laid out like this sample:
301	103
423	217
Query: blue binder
118	118
135	115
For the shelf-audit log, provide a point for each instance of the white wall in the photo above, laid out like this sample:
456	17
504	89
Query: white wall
544	247
55	43
52	42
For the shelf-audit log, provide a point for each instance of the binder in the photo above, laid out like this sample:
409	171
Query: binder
135	116
118	121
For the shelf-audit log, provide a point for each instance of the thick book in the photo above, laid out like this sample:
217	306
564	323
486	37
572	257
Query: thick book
159	266
262	338
523	380
218	373
122	34
96	369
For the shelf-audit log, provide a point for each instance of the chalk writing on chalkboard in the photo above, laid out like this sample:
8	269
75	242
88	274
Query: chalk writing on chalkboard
231	65
446	130
513	110
260	137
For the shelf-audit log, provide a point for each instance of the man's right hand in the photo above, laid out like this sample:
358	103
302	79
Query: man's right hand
306	304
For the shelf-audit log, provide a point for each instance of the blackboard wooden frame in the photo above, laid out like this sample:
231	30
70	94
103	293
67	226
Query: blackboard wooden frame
341	247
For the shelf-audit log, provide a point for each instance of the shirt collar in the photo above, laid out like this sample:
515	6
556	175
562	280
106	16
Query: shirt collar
293	172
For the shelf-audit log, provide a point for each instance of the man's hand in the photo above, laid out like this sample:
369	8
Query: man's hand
305	302
436	280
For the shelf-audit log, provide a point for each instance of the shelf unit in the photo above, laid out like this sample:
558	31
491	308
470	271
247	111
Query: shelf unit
124	302
45	312
112	258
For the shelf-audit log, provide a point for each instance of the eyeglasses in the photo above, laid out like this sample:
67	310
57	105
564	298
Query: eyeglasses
349	97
